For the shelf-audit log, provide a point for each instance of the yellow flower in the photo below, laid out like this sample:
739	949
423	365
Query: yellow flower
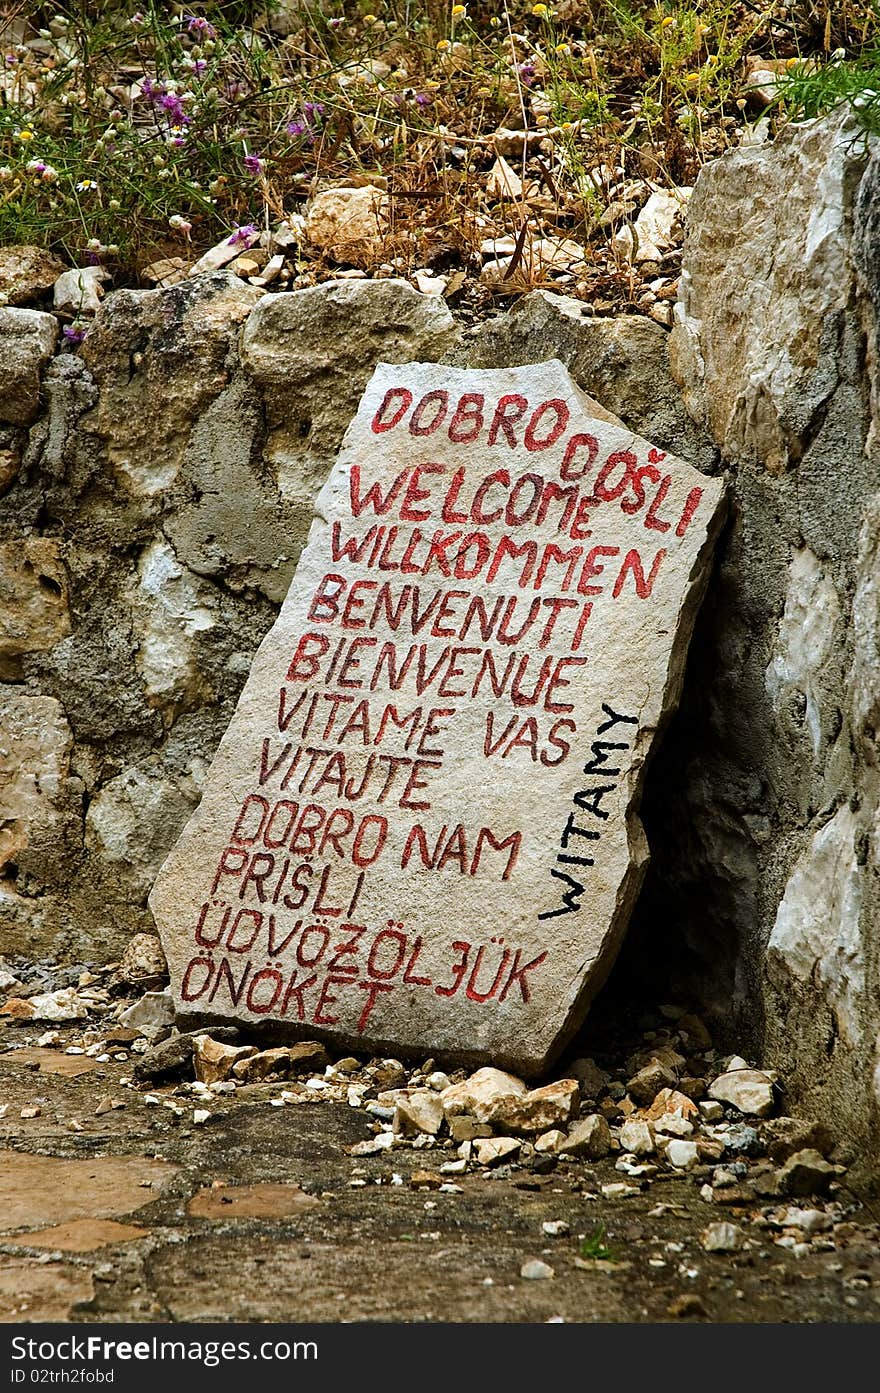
495	22
458	11
667	21
562	49
432	86
369	19
542	11
443	45
692	79
792	62
25	134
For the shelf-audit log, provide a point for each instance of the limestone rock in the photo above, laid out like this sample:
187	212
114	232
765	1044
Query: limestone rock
622	361
219	256
485	832
746	1089
348	223
758	380
786	1135
644	1086
421	1111
10	464
722	1238
149	401
670	1101
168	270
805	643
34	613
307	1056
682	1155
150	1014
214	1061
172	608
167	1060
80	291
805	1173
27	273
503	181
35	746
549	1142
27	342
265	1064
536	1270
481	1093
491	1151
463	1127
142	960
336	333
593	1080
636	1136
673	1125
590	1138
61	1005
816	936
133	817
654	227
554	1105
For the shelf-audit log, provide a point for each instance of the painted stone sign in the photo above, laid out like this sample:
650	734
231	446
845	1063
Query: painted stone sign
420	831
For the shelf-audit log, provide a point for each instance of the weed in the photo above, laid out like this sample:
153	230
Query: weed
127	135
594	1247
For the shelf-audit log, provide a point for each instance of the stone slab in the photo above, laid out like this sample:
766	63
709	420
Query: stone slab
421	830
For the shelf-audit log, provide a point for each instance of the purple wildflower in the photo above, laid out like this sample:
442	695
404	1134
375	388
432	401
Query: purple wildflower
197	25
307	121
74	333
253	164
527	73
242	235
423	99
174	106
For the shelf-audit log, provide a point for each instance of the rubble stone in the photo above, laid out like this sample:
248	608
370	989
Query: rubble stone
480	1093
27	273
590	1137
644	1086
150	1014
805	1173
34	613
420	1111
554	1105
214	1060
722	1238
27	342
748	1090
635	1136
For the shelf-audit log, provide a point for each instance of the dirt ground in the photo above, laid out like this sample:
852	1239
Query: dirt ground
134	1212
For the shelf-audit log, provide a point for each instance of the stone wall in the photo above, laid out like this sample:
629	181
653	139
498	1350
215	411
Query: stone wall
158	487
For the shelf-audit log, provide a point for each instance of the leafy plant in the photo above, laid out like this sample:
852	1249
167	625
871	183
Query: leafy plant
811	88
594	1246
